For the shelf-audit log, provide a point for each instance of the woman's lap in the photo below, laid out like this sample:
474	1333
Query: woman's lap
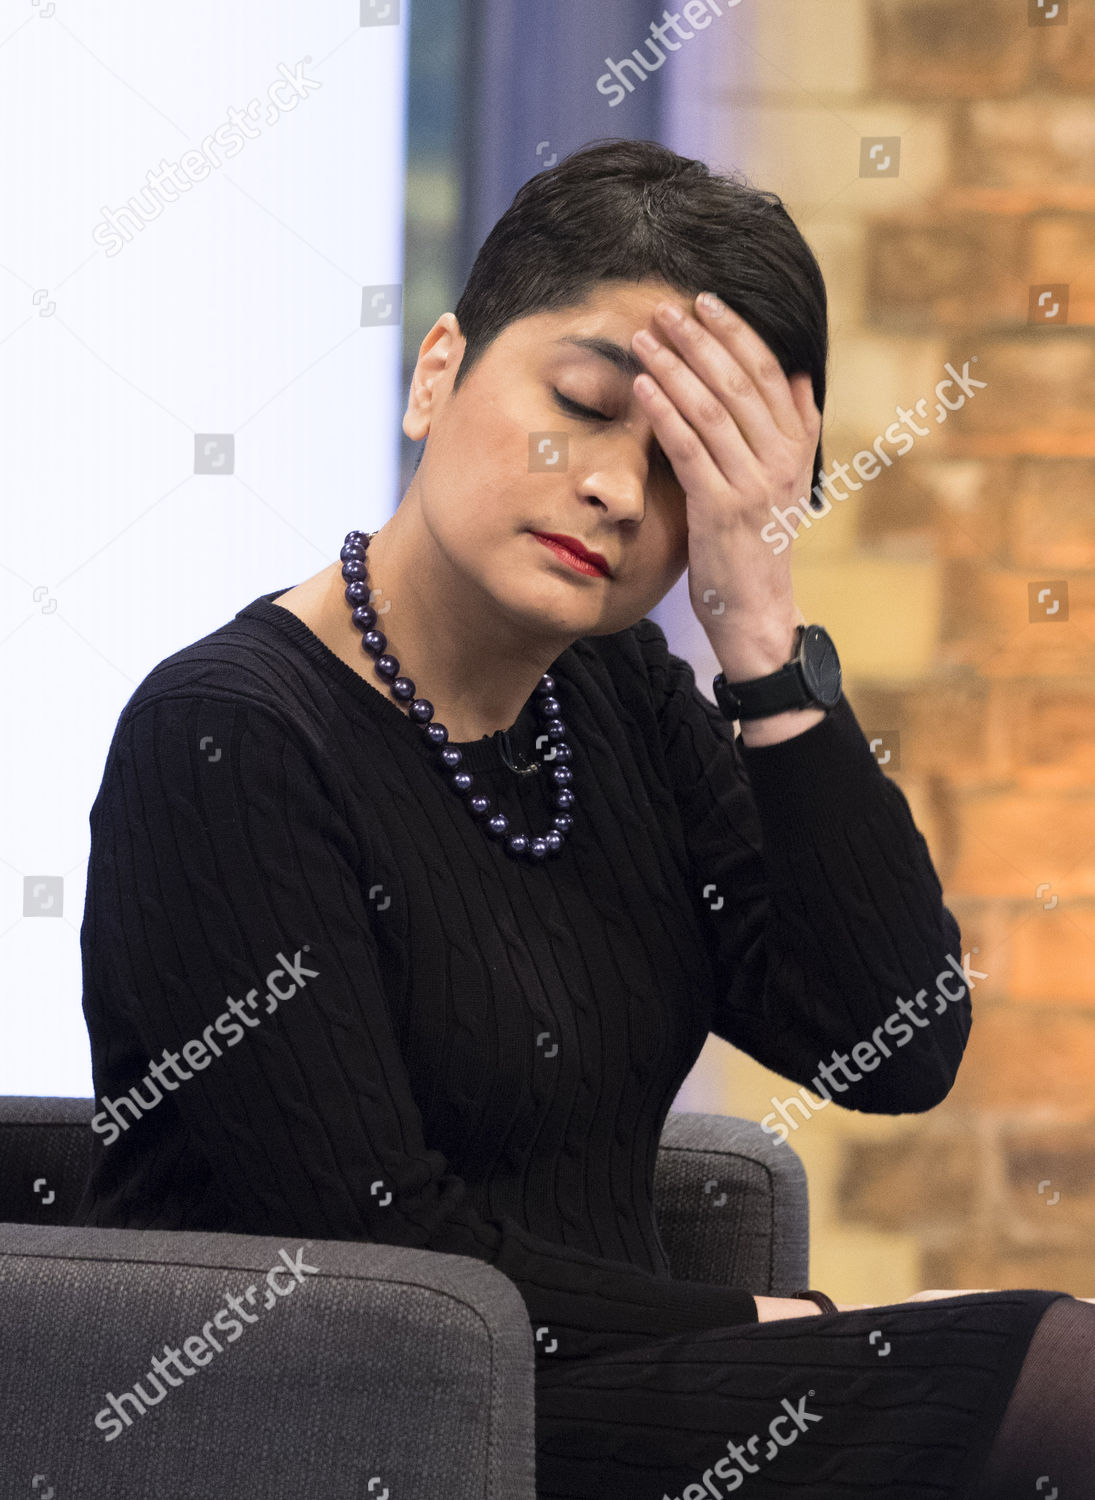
901	1400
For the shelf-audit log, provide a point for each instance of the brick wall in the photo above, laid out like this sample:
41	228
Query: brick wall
929	579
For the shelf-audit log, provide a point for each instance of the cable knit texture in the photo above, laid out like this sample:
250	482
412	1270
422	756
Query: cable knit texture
436	1046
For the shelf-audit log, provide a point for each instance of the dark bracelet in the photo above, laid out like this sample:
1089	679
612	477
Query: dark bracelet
823	1301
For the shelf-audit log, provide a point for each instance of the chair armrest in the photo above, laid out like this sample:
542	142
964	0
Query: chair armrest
731	1204
366	1361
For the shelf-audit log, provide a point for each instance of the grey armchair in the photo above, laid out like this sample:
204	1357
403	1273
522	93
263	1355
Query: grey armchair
360	1369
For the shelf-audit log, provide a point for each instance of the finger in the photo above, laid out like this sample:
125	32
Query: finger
955	1292
759	363
702	440
713	392
802	390
691	457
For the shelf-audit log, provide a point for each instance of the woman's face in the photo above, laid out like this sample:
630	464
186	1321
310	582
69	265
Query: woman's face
506	458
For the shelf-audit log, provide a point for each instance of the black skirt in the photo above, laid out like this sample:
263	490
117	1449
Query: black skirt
902	1401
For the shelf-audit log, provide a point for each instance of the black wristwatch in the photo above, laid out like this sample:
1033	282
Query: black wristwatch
810	679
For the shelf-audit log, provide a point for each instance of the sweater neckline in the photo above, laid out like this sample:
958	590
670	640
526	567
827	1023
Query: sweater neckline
483	755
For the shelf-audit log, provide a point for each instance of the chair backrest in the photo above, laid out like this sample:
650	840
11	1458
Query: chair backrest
732	1204
45	1149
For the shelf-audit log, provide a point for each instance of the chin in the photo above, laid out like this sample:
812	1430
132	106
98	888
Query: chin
546	610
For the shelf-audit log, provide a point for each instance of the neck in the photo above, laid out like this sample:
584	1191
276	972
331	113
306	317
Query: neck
473	661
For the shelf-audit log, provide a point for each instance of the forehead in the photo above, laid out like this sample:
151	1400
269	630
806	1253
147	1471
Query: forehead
612	311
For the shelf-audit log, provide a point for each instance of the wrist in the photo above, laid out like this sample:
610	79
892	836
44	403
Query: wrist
771	1308
821	1300
802	681
749	648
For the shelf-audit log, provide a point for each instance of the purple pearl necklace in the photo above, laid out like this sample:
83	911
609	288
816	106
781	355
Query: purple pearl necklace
517	845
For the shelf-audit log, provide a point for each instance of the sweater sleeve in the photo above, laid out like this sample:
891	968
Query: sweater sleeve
220	855
819	902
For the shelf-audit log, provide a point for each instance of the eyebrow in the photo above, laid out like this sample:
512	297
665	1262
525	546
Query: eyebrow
622	359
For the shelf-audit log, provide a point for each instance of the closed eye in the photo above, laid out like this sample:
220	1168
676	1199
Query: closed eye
575	409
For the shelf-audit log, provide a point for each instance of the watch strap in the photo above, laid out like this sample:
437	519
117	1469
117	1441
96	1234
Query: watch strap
774	693
811	678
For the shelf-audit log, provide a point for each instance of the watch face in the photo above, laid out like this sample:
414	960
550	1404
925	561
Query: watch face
821	665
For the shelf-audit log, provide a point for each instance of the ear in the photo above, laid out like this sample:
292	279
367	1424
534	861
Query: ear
439	356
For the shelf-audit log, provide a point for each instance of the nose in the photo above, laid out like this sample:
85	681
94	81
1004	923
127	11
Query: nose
620	475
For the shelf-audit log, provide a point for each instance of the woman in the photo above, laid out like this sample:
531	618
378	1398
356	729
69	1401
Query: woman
478	980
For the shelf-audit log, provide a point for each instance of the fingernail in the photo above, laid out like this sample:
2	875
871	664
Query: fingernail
710	303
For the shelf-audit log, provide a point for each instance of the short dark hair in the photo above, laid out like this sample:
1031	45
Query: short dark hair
635	210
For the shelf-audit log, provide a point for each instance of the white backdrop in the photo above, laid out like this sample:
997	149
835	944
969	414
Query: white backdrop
199	400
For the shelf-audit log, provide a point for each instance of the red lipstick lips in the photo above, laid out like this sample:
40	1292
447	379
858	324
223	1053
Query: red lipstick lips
579	554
